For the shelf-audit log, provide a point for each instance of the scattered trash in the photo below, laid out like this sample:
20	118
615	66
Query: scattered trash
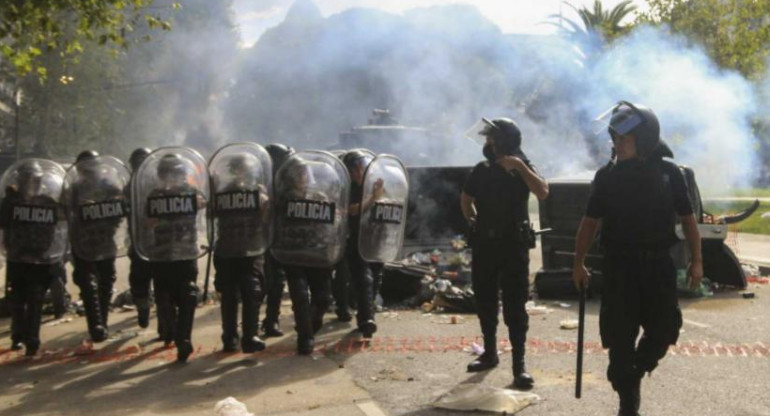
532	309
569	324
751	269
477	348
231	407
748	295
427	307
481	397
389	314
564	305
684	290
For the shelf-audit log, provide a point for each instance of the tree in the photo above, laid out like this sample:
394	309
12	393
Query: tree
598	26
735	33
30	28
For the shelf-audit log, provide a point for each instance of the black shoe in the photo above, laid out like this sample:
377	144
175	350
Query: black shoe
143	317
521	379
253	344
305	346
343	315
368	329
16	345
183	351
484	362
31	350
99	334
271	329
630	398
229	344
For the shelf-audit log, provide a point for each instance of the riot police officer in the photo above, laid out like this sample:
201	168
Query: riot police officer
169	203
311	225
242	222
94	278
637	197
359	270
494	202
139	275
34	240
275	275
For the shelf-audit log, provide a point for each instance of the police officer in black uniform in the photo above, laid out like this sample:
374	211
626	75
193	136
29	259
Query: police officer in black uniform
275	275
95	278
139	275
360	272
239	275
494	202
637	197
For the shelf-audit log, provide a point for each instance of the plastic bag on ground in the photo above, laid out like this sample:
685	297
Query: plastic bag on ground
481	397
231	407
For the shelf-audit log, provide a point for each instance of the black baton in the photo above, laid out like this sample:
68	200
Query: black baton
208	273
581	327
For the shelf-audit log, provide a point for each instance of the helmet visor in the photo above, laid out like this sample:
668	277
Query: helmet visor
480	130
620	119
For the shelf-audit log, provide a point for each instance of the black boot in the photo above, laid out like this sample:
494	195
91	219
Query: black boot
229	309
105	297
271	329
343	315
166	316
34	317
316	317
486	360
305	345
183	339
89	293
250	320
630	397
521	379
142	312
368	328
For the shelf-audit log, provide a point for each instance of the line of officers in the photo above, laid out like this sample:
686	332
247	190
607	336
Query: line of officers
265	213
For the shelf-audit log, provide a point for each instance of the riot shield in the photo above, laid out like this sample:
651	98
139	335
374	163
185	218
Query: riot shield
383	209
169	202
241	185
94	192
33	222
311	226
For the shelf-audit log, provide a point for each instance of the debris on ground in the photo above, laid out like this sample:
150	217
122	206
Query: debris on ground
533	309
481	397
569	324
231	407
58	322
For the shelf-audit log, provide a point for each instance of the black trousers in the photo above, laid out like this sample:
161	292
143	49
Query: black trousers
310	289
139	279
341	286
362	284
638	292
239	278
27	284
176	296
275	278
95	280
59	296
501	266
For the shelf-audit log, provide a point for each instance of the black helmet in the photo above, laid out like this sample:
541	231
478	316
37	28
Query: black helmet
30	170
171	164
242	163
86	155
638	120
505	133
355	157
278	154
138	156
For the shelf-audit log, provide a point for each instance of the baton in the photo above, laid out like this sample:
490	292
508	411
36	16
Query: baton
581	327
208	273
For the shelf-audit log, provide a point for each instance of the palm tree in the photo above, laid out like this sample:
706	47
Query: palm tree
596	27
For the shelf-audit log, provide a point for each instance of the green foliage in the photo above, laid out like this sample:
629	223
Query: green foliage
27	28
735	33
597	22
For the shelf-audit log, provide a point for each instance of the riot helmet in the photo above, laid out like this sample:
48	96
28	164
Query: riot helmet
356	161
30	177
626	118
87	155
278	154
172	169
503	131
243	167
138	156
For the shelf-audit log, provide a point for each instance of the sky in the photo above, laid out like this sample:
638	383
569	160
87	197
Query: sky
512	16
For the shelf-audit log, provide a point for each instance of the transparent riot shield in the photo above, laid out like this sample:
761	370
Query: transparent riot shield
383	209
169	203
311	216
241	185
94	193
32	218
